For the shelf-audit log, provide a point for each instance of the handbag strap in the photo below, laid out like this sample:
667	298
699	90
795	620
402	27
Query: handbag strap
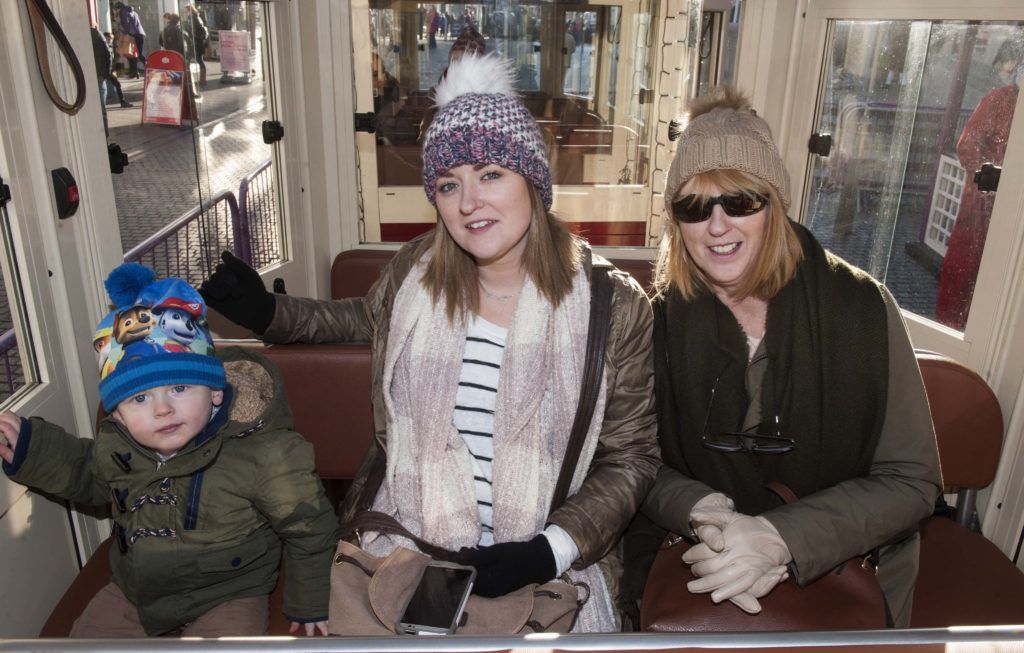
379	522
42	19
593	367
782	491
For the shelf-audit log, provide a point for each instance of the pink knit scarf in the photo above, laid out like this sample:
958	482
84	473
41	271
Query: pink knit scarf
428	485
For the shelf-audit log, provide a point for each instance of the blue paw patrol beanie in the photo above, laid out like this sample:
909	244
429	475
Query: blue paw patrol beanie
156	335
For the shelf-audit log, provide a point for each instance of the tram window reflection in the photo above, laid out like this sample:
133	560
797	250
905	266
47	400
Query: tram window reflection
914	109
582	70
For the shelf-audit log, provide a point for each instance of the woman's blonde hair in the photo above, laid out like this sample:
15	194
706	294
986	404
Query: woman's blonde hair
552	258
775	263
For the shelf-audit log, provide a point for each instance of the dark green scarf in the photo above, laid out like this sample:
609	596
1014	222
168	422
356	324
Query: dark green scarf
827	346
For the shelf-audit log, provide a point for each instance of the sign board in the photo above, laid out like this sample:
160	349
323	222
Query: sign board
164	100
234	52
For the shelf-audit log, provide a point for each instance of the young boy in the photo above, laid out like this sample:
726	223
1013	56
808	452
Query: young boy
204	475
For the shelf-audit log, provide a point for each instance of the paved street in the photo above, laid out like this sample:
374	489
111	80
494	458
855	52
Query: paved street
172	169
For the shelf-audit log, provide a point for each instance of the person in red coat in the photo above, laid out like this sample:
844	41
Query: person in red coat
983	141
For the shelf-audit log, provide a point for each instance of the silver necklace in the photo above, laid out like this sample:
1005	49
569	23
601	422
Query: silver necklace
496	297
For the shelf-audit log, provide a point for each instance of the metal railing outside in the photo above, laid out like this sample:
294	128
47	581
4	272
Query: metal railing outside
11	358
258	215
865	131
190	246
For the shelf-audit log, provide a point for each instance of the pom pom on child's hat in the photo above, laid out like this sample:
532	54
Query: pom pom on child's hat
481	121
156	335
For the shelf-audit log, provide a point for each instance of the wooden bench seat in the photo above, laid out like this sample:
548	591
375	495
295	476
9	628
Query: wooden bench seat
964	578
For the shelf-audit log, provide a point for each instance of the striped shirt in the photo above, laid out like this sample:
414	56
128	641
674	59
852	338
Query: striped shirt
474	409
475	402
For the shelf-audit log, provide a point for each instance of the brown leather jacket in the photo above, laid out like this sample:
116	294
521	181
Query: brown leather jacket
627	457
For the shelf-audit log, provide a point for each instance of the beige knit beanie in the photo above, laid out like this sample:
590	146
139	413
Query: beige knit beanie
725	133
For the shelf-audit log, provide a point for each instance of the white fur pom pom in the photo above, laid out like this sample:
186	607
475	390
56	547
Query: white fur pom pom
473	73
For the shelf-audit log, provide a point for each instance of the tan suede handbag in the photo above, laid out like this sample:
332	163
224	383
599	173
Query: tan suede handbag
368	593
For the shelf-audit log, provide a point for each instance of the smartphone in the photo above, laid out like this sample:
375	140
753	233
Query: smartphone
436	605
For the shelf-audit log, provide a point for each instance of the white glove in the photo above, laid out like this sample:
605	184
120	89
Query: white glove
707	519
709	516
752	562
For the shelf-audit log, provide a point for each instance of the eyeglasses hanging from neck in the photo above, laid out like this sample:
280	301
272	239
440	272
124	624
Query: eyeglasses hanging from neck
765	438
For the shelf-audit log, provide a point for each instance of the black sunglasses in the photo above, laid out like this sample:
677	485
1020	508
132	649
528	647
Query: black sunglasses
751	440
695	208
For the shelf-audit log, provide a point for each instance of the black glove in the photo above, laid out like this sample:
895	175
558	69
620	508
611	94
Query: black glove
505	567
236	291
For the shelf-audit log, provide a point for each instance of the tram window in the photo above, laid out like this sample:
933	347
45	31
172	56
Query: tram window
197	158
583	71
719	41
914	108
17	364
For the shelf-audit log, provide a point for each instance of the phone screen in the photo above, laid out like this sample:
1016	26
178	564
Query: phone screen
438	597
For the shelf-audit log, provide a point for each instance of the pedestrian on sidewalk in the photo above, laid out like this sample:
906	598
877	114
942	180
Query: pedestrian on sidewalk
434	22
131	25
102	56
112	79
173	37
200	37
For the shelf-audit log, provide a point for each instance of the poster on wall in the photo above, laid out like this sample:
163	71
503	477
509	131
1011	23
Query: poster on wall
234	52
162	98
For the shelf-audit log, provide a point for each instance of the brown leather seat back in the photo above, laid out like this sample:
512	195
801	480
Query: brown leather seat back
355	270
328	388
964	578
968	421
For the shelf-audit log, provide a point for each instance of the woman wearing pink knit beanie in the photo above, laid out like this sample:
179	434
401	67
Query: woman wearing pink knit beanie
479	331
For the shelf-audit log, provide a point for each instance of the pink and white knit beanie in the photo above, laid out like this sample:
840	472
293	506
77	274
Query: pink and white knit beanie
480	120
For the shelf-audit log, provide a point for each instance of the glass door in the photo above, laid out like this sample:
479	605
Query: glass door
584	72
200	124
39	548
918	113
914	174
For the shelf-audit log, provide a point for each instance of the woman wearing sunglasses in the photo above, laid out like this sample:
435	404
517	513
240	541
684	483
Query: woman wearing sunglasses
776	361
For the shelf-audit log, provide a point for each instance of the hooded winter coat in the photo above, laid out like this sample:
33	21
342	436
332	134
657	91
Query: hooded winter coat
207	525
130	23
627	457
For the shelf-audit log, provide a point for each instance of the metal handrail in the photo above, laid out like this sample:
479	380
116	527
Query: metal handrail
8	341
244	212
179	223
191	244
